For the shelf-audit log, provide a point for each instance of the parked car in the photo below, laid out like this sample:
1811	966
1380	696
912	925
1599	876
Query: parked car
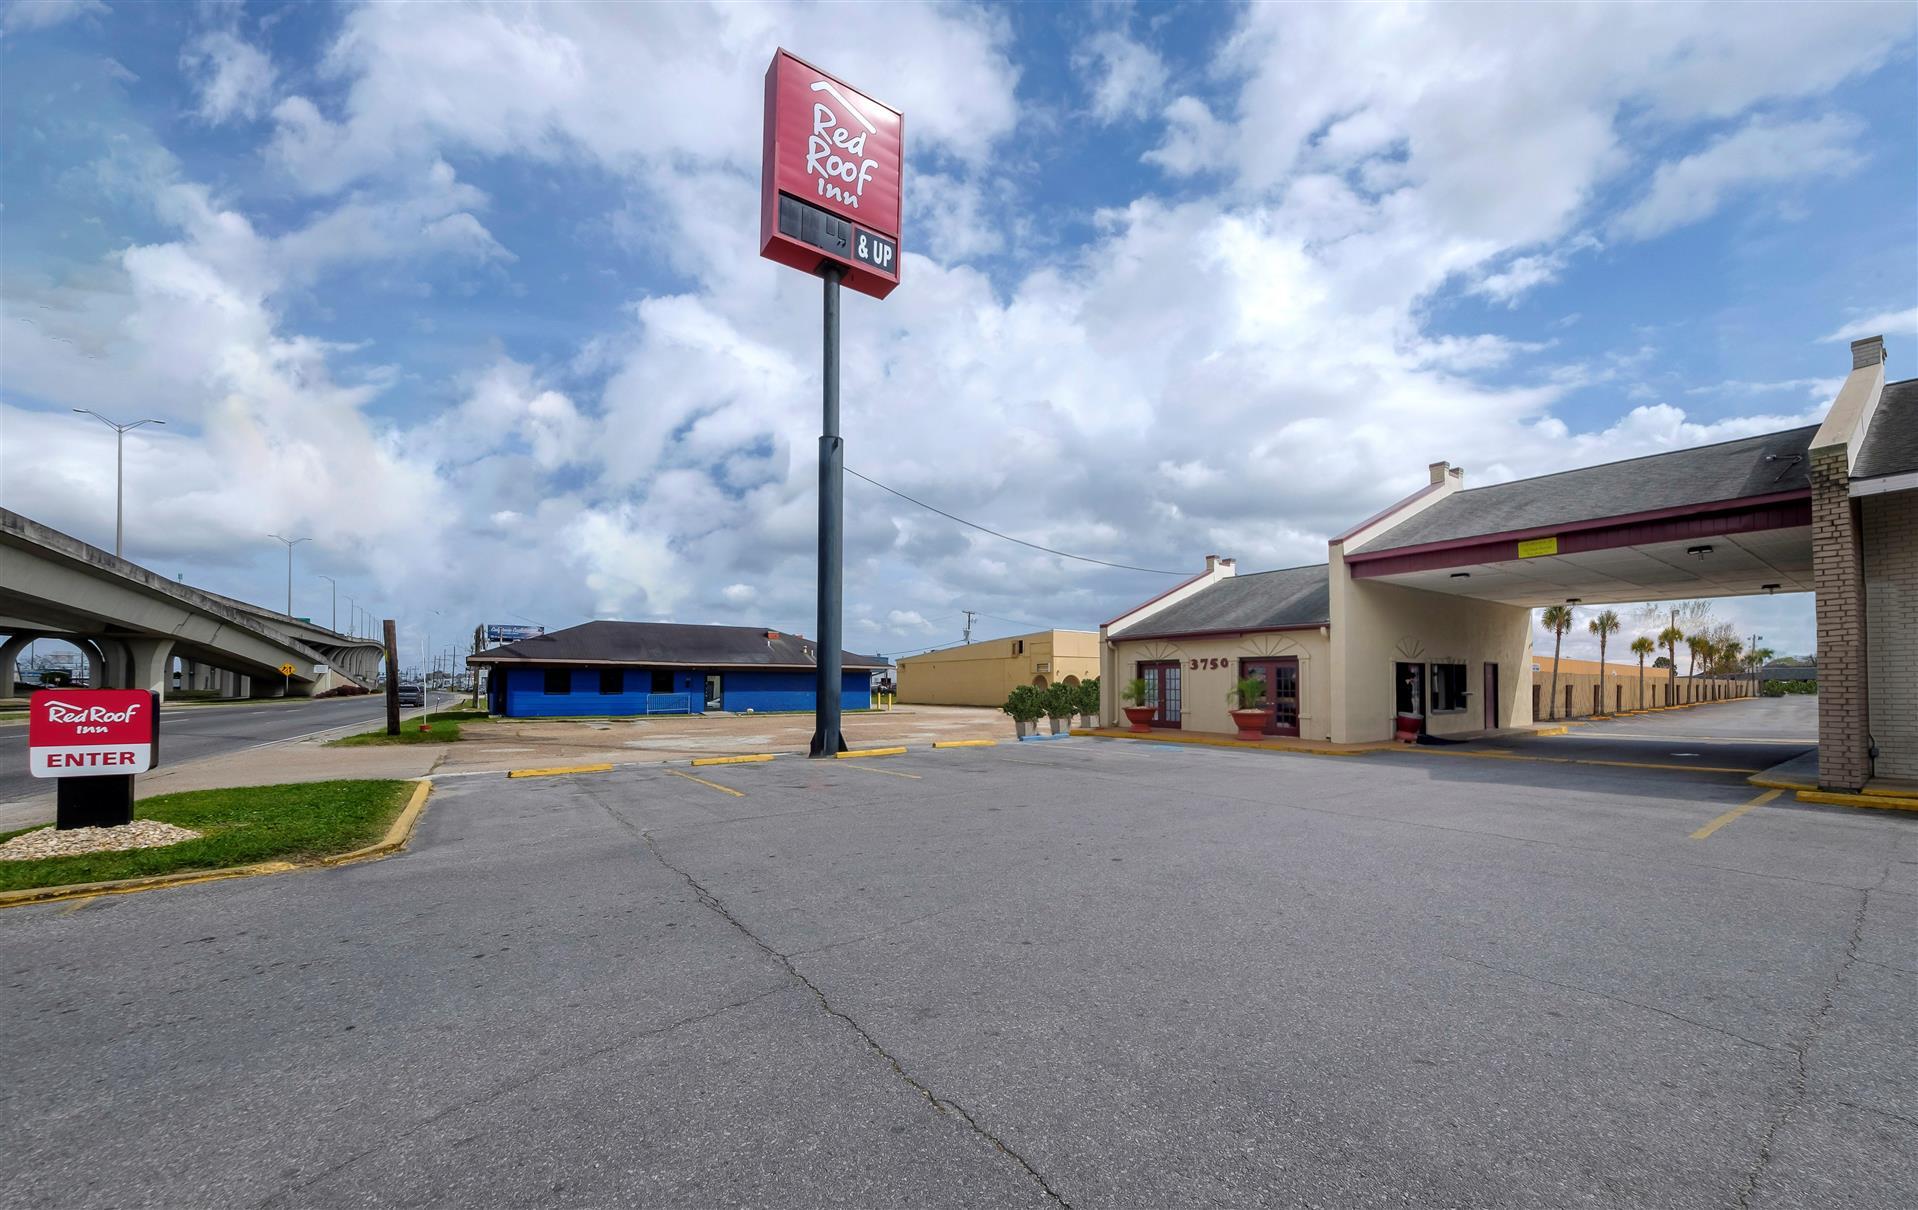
412	695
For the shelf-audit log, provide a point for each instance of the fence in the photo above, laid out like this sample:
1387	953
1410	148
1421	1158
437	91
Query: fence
669	703
1578	693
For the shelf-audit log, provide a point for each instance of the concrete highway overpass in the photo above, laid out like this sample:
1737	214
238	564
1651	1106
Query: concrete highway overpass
131	624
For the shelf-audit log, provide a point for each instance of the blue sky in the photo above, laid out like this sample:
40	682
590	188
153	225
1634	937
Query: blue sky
469	293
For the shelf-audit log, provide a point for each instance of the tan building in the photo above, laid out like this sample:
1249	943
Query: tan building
1420	620
1580	695
982	674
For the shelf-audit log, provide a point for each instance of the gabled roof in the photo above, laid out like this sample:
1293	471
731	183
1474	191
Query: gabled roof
667	643
1265	600
1770	465
1890	446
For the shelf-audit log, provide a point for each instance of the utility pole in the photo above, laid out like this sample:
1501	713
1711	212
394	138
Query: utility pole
392	678
336	602
969	616
119	471
290	544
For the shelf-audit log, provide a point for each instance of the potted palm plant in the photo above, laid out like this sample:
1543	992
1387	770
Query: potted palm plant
1025	704
1139	708
1089	702
1248	716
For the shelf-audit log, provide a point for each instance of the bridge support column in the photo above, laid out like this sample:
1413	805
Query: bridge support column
113	656
10	661
150	665
96	665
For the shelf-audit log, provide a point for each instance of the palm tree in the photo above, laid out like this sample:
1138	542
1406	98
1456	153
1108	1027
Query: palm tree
1642	646
1726	655
1605	625
1558	620
1669	638
1701	647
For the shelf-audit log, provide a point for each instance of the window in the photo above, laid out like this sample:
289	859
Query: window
1018	646
611	681
559	681
1448	687
662	680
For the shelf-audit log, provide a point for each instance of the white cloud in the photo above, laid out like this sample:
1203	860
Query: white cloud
234	78
1885	323
1194	140
1126	79
1761	152
23	15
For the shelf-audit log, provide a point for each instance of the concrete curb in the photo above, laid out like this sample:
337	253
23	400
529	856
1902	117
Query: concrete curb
559	770
1876	802
754	759
858	753
965	743
395	839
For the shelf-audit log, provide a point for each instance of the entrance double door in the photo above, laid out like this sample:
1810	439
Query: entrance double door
1280	699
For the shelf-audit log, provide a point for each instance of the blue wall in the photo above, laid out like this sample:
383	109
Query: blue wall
759	689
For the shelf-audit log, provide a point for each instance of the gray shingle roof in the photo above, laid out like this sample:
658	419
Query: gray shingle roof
1729	470
1891	444
667	643
1265	600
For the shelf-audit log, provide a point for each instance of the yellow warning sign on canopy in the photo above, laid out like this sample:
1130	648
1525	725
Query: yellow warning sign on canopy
1532	548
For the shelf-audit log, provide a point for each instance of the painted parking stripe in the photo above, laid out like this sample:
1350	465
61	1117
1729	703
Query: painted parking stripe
887	772
710	784
1734	813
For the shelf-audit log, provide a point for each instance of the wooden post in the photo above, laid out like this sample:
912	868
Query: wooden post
392	679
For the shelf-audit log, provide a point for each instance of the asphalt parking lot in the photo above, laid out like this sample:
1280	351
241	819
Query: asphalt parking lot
1092	973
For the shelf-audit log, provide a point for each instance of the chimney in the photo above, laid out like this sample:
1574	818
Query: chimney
1439	470
1211	563
1219	566
1867	352
1458	476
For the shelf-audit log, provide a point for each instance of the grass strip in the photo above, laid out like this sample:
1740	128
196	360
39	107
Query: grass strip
301	822
442	728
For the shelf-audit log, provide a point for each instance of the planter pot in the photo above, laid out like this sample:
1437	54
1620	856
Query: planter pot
1140	717
1251	723
1089	720
1058	726
1025	728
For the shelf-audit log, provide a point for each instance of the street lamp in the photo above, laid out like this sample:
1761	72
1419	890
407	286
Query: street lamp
290	544
119	469
353	615
336	602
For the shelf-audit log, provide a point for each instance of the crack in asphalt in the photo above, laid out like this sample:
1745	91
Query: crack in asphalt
514	1085
1801	1049
944	1105
1586	991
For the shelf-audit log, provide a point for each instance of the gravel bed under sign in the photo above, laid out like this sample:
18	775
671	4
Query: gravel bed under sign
50	842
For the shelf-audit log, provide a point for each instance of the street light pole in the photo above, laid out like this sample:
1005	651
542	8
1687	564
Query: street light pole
290	544
119	470
336	602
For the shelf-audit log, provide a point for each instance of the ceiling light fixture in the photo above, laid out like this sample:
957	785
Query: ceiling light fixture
1461	575
1700	551
1574	600
1769	588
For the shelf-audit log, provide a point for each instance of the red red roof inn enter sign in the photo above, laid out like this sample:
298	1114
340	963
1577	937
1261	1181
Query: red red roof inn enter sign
91	732
830	182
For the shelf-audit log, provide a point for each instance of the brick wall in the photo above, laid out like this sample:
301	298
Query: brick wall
1843	679
1891	617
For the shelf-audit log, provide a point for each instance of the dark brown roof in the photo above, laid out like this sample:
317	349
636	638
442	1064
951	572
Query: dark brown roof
1264	600
658	643
1891	443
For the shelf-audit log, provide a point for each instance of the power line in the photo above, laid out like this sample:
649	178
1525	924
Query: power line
1008	537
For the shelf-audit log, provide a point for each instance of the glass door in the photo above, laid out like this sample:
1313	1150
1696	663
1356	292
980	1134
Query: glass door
1162	691
715	692
1280	700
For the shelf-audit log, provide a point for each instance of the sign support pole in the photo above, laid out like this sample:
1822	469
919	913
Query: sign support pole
827	740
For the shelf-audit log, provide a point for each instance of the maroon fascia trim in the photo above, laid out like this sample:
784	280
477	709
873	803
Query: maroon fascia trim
1162	596
1124	637
1387	511
1754	514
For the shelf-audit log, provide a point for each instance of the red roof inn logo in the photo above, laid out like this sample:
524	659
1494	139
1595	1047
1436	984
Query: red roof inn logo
91	732
830	183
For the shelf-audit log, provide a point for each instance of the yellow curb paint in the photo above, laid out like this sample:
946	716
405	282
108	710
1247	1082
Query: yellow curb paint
1734	813
395	839
1780	783
973	743
887	772
856	753
754	759
711	784
557	772
1877	802
396	835
1881	792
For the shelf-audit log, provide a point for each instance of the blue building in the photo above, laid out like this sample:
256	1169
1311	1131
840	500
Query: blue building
662	668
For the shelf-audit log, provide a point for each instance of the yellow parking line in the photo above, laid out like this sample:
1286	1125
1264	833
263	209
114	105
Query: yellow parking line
556	772
887	772
966	743
715	785
859	752
1734	813
754	759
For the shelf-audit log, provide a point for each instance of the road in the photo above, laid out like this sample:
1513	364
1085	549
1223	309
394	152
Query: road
192	732
1089	973
1750	734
